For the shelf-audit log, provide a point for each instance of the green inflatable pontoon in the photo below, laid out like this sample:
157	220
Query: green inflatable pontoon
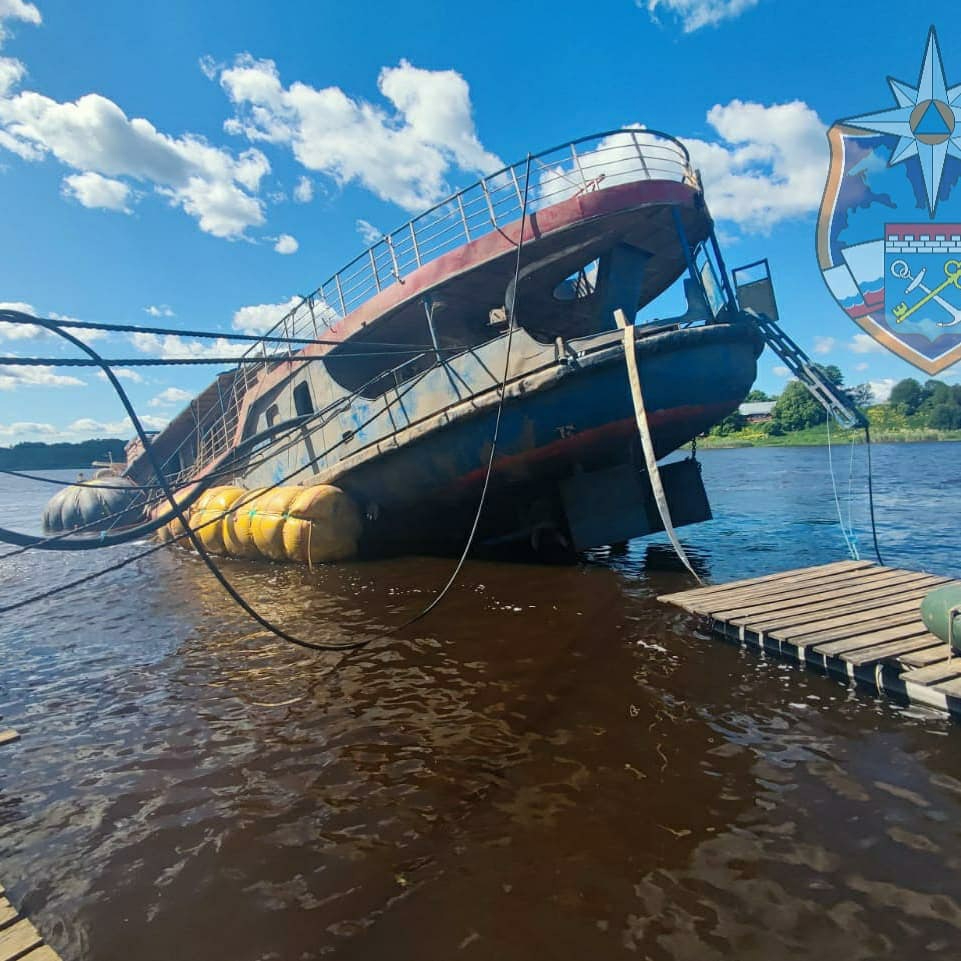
934	612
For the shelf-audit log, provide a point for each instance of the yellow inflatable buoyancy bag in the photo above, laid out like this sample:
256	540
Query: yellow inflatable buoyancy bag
174	528
209	513
268	521
323	525
237	526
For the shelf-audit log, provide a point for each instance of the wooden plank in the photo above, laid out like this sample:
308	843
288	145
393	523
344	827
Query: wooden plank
829	612
43	953
793	576
924	658
858	581
788	632
788	592
862	639
8	737
949	688
829	606
880	585
934	673
788	582
18	939
858	629
8	913
881	652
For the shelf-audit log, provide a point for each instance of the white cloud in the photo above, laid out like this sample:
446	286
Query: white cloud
286	244
18	331
26	430
861	366
403	155
12	71
824	345
85	428
865	344
210	67
695	14
881	389
13	377
174	347
780	371
304	191
259	318
24	331
171	397
118	428
19	10
94	136
769	164
93	190
368	232
123	373
159	310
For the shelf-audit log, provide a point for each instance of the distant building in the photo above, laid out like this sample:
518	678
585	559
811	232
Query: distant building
757	412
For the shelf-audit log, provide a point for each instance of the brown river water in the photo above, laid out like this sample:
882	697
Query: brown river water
553	765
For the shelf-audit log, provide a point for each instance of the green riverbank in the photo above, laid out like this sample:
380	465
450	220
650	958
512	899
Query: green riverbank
755	436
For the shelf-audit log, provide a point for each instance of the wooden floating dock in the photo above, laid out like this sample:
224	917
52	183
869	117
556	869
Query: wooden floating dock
853	619
19	939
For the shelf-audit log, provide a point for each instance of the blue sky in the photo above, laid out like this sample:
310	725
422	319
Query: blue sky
208	162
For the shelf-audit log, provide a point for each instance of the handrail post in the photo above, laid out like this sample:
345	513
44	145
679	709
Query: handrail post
393	258
640	155
517	187
577	166
340	295
413	240
463	216
373	267
490	206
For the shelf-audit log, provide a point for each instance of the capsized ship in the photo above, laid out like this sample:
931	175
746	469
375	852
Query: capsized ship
394	402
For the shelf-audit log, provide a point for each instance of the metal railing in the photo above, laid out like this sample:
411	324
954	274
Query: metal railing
580	166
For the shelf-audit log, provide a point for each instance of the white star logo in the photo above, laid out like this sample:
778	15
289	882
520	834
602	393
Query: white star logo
927	120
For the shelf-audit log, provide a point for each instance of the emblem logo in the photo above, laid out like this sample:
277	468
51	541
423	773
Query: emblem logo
889	227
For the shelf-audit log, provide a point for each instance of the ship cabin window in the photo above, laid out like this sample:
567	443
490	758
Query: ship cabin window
273	412
302	402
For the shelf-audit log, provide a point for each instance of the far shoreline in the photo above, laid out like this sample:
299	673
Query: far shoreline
818	437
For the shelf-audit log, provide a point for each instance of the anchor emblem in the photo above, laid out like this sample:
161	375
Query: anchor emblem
952	273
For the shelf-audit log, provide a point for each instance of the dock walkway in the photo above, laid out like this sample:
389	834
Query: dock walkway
852	619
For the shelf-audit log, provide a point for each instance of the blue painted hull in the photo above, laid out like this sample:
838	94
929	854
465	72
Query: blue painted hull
423	493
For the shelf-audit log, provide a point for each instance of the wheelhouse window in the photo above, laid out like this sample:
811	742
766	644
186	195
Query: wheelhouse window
302	402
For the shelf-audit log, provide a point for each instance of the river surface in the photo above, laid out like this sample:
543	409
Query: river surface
552	765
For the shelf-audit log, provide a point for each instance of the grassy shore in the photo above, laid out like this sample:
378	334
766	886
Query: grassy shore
753	436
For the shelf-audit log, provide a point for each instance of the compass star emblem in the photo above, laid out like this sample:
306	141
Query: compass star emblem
927	120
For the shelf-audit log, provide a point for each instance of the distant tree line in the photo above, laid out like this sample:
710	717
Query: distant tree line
34	455
933	404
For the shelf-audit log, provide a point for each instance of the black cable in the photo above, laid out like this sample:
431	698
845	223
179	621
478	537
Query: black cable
61	588
874	526
511	313
200	334
14	361
178	510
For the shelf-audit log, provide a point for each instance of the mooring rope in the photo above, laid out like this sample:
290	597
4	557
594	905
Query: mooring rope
647	442
849	539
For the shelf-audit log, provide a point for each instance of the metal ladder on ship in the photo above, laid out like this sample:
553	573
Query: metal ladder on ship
755	294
